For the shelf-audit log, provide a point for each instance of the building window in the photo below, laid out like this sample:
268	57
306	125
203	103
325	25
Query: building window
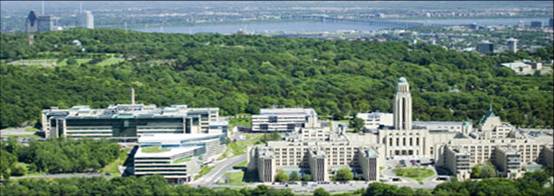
273	119
264	127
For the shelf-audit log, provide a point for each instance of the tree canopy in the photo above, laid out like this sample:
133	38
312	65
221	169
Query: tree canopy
242	73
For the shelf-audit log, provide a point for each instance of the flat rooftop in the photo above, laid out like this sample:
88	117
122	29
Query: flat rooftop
126	111
166	152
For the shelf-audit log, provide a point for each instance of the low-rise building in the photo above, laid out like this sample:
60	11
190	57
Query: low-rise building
176	157
125	122
284	119
374	120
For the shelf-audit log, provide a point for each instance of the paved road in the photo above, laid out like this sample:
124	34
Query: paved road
332	187
218	171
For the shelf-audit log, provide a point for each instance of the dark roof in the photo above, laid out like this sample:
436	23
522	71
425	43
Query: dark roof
32	17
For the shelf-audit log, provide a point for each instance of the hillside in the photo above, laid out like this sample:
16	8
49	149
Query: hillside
244	73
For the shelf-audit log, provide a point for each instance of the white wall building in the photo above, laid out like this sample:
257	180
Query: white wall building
284	119
374	120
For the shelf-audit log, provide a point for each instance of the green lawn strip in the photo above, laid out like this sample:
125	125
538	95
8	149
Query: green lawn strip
31	129
243	122
242	164
113	167
417	174
153	149
234	178
110	61
182	160
203	171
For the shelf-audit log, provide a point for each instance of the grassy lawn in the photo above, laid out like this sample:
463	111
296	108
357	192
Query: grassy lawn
31	129
240	147
153	149
415	173
243	122
242	164
182	160
203	171
110	61
234	178
113	167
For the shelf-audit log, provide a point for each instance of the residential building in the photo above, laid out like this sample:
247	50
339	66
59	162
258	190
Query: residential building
284	119
485	47
512	45
87	20
536	24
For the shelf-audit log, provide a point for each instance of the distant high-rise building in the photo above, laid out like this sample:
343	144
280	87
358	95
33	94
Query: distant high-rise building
536	24
31	23
485	47
45	23
39	23
87	20
551	22
512	45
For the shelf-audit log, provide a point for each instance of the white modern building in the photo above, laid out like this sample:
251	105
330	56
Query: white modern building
284	119
176	157
87	20
374	120
524	67
126	122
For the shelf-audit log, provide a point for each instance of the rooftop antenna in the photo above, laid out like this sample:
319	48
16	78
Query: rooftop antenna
132	96
42	7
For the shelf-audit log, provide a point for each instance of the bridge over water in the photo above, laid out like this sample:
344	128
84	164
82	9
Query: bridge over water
372	22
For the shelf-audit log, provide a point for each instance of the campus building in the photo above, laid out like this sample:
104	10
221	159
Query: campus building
284	119
456	146
176	157
318	152
125	122
374	120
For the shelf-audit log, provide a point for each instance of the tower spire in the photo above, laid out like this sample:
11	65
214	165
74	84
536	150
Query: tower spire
403	106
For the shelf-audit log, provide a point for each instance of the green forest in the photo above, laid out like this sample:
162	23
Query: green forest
531	184
243	73
55	156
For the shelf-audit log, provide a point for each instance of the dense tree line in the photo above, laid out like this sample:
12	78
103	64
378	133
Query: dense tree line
57	156
244	73
530	184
